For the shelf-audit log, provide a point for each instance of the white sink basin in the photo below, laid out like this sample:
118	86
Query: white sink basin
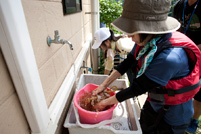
128	124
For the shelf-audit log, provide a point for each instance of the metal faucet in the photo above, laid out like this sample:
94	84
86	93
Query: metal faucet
88	68
57	40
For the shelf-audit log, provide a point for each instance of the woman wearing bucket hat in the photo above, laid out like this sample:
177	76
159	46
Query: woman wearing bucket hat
167	65
119	46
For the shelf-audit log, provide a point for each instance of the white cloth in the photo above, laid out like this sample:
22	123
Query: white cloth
125	45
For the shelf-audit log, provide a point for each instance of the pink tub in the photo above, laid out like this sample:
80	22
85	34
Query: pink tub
88	117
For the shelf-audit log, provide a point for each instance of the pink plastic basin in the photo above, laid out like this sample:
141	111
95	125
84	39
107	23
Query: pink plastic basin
89	117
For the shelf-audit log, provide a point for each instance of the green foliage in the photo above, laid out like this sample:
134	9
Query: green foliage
109	11
101	68
172	6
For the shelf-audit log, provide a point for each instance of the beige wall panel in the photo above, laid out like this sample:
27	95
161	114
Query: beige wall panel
7	88
61	62
43	18
86	13
83	39
87	2
49	80
78	42
87	31
13	120
62	65
76	22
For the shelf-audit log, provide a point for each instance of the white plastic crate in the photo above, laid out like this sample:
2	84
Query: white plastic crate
128	124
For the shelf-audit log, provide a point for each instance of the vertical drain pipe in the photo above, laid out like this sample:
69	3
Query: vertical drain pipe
95	26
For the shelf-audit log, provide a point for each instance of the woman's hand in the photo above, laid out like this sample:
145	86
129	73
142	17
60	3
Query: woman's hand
99	89
100	106
113	76
109	101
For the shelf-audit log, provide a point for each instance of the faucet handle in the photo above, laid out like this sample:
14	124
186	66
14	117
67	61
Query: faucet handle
49	40
90	69
56	32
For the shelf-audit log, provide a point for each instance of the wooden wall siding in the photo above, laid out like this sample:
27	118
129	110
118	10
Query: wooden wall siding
43	18
12	118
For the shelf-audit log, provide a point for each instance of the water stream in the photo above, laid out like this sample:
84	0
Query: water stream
74	69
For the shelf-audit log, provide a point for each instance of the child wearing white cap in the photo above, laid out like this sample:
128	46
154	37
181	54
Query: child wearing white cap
113	46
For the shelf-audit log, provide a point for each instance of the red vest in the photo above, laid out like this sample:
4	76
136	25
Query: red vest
194	54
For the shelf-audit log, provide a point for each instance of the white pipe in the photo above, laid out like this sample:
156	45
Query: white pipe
95	26
18	52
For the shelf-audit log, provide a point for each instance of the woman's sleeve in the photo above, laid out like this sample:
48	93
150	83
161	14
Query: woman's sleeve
139	86
126	64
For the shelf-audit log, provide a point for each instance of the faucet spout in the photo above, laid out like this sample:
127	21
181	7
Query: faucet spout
57	40
69	43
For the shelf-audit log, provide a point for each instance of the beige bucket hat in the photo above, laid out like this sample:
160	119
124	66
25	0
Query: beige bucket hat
146	16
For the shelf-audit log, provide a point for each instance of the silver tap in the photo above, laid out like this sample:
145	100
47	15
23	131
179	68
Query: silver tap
57	40
67	42
88	68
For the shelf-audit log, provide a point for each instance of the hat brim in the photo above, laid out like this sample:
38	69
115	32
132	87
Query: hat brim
96	44
131	27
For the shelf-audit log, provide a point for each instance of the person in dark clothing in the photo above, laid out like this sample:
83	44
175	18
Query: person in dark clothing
166	63
188	12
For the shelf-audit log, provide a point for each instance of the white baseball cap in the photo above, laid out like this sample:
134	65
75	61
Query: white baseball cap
100	35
